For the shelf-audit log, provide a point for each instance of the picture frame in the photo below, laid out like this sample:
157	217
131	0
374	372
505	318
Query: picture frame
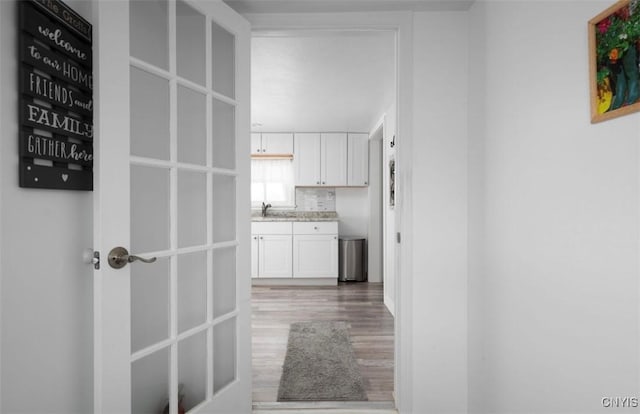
614	59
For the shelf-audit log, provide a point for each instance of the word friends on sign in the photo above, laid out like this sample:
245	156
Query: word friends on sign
56	93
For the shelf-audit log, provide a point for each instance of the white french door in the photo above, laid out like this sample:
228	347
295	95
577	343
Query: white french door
172	182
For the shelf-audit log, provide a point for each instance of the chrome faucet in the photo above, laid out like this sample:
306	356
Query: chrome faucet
265	207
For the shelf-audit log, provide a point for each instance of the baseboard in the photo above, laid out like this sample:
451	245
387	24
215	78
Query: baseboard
391	306
288	281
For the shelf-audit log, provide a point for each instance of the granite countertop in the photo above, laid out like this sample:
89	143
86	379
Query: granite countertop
291	215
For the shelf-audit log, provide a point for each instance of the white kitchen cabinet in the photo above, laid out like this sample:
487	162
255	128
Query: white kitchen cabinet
270	143
306	159
274	255
315	256
315	250
298	250
256	143
321	159
358	160
271	250
333	157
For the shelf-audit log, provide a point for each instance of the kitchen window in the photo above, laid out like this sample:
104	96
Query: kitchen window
272	183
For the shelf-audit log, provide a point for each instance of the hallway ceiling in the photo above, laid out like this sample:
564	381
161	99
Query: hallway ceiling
328	6
321	81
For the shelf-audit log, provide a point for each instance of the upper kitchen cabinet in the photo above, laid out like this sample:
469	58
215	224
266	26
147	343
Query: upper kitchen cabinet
307	159
333	159
321	159
272	144
358	160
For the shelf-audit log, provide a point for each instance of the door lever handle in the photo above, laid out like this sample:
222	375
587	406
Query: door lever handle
119	257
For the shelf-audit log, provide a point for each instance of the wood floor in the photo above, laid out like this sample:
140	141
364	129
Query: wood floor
359	304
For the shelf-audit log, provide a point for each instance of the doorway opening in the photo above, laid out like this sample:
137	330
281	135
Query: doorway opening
323	119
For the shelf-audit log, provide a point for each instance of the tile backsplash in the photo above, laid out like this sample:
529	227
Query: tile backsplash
315	199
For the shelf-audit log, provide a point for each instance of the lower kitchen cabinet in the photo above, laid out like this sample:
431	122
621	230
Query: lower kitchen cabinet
315	256
271	250
298	250
274	256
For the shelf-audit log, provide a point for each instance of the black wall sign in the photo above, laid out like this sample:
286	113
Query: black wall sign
56	98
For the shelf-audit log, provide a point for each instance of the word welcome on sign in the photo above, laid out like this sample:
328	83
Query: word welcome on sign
67	16
56	102
47	32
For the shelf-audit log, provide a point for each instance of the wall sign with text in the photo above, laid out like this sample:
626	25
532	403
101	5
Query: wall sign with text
56	97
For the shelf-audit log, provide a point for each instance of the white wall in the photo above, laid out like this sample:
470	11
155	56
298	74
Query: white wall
46	303
375	238
559	230
439	159
352	206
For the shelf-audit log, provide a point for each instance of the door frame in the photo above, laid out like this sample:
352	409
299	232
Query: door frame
402	24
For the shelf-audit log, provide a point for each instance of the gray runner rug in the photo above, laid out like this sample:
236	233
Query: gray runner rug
320	365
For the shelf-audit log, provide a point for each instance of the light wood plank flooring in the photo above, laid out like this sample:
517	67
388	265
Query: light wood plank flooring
359	304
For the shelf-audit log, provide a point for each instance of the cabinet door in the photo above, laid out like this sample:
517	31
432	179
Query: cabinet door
274	256
315	256
334	159
256	145
358	160
277	144
307	159
254	255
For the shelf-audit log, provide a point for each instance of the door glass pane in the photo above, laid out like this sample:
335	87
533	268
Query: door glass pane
192	290
149	32
190	46
150	383
149	115
223	60
192	208
192	370
224	354
224	143
224	281
149	209
149	303
224	207
192	126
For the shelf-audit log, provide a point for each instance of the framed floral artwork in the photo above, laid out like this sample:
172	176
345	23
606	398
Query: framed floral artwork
614	59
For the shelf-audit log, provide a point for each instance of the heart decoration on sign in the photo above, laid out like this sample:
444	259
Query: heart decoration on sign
65	177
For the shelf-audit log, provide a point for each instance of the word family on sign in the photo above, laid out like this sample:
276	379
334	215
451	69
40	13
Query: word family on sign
56	84
40	117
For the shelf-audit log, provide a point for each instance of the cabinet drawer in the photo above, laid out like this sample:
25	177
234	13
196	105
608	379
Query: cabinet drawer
271	227
315	227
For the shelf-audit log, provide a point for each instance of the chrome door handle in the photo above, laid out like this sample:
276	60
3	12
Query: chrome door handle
119	257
